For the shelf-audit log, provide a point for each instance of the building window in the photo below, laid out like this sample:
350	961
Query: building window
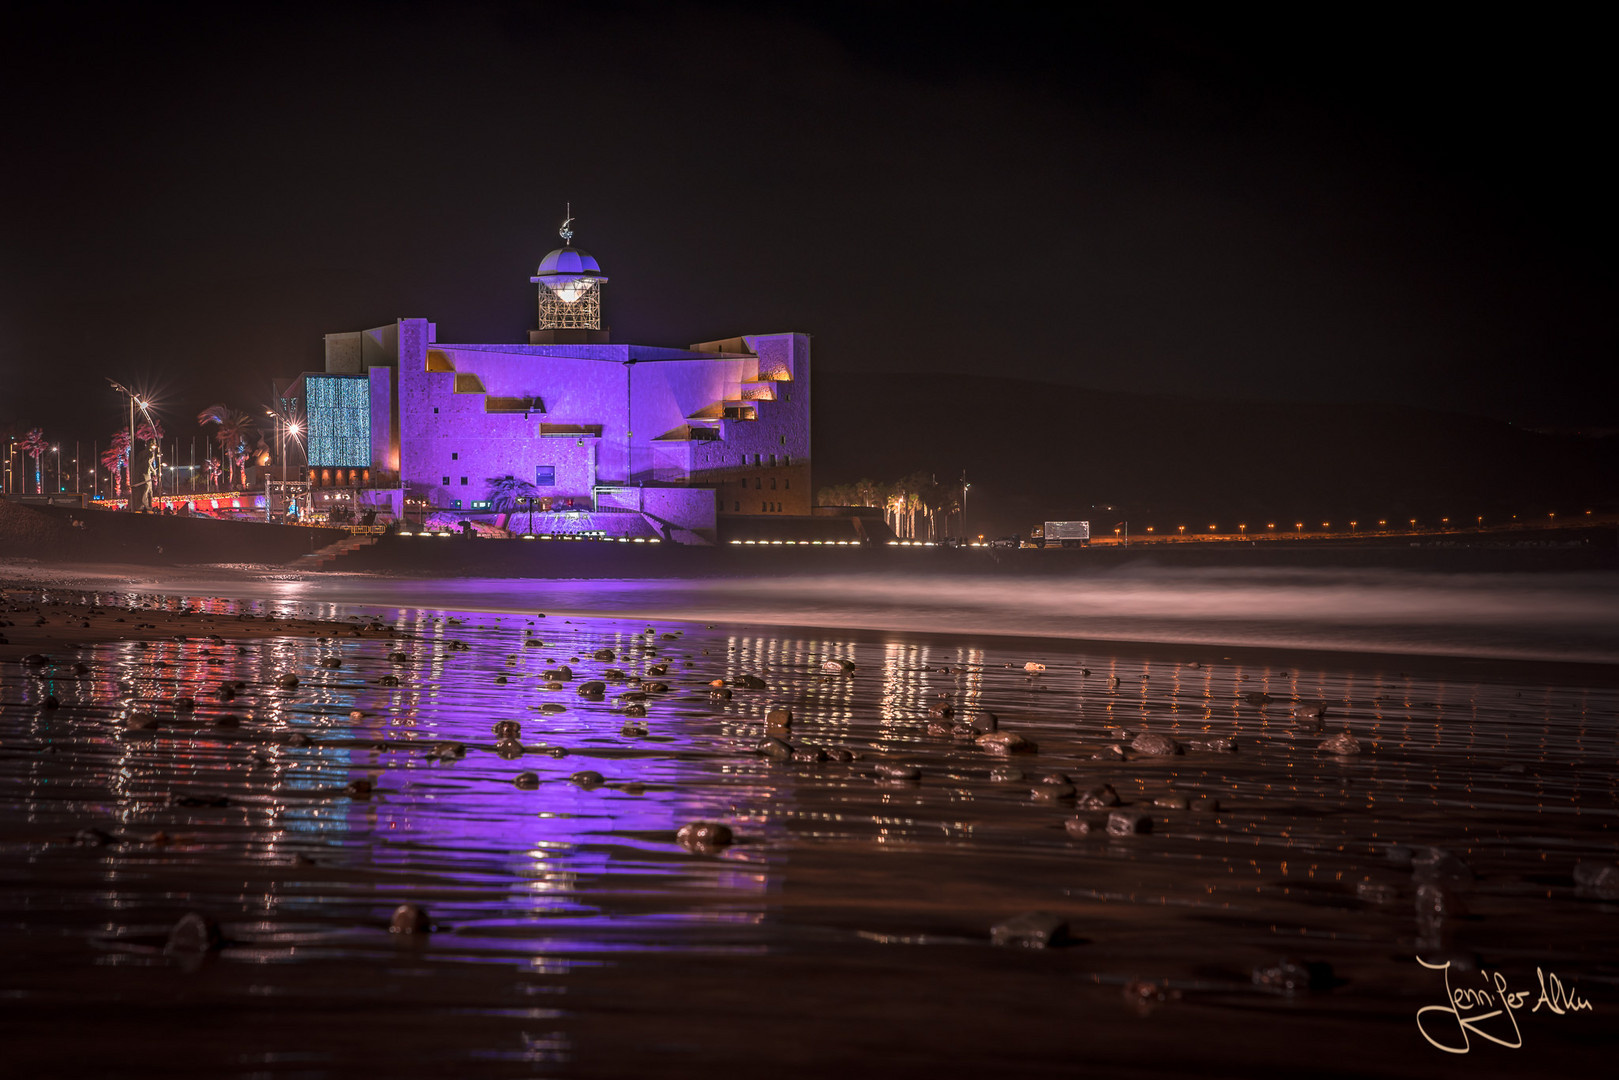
435	410
786	484
772	461
446	481
463	481
786	459
772	483
736	506
763	507
758	484
756	459
455	457
545	475
784	440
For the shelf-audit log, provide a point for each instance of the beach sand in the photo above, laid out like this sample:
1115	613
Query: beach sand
1269	926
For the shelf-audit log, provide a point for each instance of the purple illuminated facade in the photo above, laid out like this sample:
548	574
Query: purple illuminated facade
626	440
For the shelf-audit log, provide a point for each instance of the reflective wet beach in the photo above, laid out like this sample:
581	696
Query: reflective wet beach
849	925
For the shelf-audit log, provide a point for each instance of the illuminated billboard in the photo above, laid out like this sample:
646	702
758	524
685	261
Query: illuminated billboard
339	412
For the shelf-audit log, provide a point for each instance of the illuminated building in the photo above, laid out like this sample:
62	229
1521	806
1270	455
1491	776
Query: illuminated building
633	440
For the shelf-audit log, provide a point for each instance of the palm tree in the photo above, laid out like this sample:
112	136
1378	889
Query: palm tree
235	429
507	493
34	445
116	461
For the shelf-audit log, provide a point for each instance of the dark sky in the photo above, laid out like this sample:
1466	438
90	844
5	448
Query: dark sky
1330	205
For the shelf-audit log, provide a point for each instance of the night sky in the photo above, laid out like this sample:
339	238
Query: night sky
1338	205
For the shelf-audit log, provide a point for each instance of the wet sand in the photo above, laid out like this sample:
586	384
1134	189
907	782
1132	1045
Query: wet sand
849	926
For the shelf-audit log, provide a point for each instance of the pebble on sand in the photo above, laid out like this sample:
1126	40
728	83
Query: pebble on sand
526	781
194	933
1155	745
1101	797
1006	742
1292	977
409	919
772	747
779	719
704	837
1128	823
1342	744
1030	930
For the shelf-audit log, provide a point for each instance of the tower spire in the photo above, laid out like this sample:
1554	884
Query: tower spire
566	232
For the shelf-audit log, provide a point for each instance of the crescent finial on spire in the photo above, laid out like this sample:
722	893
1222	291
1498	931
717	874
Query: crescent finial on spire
566	232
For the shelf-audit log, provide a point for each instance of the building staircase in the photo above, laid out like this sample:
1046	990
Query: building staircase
319	560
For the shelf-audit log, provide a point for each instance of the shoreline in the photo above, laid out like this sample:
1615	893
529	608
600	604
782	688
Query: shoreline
81	579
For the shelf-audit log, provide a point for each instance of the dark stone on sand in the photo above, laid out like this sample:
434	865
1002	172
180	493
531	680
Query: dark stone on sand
500	680
837	667
533	643
288	681
331	661
194	933
603	654
1292	977
1221	746
941	710
595	688
1046	791
704	837
360	789
1111	752
1006	742
526	781
398	657
810	755
92	838
551	708
772	747
225	692
561	674
1128	823
655	687
985	722
838	753
1155	745
509	749
749	682
1172	802
720	694
1342	744
635	710
889	770
298	738
613	674
508	729
50	702
1086	825
633	729
1102	797
36	660
388	680
1007	774
1030	930
779	719
140	721
1258	699
409	919
588	778
228	722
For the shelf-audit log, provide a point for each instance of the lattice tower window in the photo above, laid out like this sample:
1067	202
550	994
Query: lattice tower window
584	313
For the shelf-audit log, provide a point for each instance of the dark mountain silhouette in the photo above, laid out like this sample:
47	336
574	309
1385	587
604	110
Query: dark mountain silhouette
1036	451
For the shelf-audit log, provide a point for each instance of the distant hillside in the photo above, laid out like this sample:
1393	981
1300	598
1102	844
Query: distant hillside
1035	451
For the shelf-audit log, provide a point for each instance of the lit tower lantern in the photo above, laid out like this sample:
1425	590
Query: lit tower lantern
570	288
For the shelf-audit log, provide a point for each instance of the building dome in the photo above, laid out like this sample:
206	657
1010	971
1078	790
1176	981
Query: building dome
568	273
568	260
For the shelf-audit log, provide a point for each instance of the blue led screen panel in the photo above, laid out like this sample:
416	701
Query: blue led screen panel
339	411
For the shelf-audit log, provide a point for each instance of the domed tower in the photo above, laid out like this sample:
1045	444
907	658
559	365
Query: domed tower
570	284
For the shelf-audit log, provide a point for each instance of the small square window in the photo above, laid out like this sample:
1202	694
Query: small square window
455	457
435	410
784	440
463	481
446	481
